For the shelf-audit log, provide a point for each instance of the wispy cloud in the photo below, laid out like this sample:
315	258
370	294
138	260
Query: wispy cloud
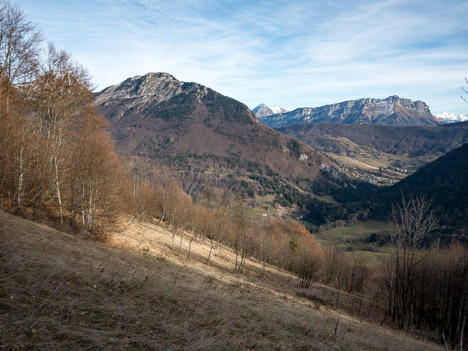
290	53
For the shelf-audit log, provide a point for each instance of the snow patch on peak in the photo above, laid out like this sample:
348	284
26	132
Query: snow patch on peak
277	109
263	110
450	117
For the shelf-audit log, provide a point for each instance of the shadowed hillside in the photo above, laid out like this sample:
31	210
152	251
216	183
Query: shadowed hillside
443	180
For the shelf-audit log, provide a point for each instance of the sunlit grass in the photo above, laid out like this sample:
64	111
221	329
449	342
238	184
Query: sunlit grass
360	229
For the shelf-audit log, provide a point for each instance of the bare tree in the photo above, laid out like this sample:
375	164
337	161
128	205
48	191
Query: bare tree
19	45
202	222
61	92
240	233
218	227
19	58
52	143
97	182
413	220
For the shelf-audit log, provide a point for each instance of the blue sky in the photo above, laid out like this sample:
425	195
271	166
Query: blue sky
289	53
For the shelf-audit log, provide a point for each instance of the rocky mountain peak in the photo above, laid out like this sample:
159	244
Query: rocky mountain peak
157	87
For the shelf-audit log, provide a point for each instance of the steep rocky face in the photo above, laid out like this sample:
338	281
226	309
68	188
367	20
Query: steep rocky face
390	111
202	138
137	92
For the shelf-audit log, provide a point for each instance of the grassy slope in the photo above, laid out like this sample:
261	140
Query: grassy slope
58	291
361	228
348	238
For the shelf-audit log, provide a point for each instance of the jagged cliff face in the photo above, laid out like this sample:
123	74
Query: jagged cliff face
156	86
137	92
203	138
391	111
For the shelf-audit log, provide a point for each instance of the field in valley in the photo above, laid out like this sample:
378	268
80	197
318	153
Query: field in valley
355	240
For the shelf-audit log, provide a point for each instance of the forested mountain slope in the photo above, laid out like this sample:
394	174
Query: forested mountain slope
443	180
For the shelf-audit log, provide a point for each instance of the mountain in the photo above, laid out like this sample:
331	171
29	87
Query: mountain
390	111
263	110
378	153
449	117
202	139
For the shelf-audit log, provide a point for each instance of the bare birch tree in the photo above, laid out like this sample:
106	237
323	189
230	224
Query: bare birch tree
240	233
413	220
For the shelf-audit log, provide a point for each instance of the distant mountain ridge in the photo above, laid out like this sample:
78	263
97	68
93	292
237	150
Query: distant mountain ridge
393	110
449	117
263	110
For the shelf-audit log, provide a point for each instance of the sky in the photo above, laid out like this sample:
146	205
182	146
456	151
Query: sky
291	53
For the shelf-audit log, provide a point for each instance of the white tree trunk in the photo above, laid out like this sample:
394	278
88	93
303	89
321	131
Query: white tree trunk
57	184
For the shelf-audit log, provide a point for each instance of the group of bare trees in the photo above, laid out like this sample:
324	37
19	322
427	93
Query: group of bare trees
55	156
426	286
286	244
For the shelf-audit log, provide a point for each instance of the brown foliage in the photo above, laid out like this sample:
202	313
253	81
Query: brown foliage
55	157
98	185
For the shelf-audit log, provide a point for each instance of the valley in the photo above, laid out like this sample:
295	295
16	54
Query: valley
380	154
217	223
367	241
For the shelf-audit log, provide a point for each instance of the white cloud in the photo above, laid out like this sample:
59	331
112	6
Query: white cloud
295	53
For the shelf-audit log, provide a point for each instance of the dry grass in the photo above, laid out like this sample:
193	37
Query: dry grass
61	292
